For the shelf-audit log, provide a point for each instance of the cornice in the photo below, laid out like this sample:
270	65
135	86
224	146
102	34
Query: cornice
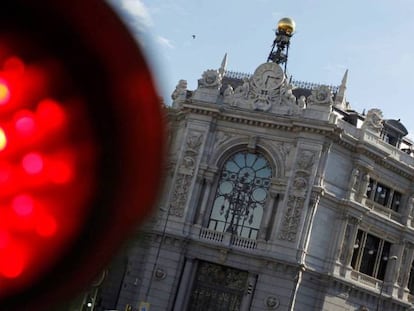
296	124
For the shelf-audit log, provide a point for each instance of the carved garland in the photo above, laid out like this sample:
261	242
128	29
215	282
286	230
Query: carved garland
296	197
185	174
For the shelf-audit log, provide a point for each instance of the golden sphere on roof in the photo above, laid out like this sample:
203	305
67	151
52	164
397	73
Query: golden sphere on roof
286	25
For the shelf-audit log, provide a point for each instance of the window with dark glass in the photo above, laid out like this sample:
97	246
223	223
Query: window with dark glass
370	188
410	284
383	195
396	199
370	255
241	193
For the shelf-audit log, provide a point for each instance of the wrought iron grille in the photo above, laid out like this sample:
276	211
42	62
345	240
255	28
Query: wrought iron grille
217	288
241	194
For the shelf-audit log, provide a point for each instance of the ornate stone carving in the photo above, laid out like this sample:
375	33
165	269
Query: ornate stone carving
373	121
179	194
291	219
297	195
306	159
321	95
252	143
228	95
300	185
211	79
401	274
302	102
364	185
194	142
355	179
262	100
271	302
345	244
286	150
185	174
266	90
180	92
287	97
348	242
221	137
160	274
240	94
244	88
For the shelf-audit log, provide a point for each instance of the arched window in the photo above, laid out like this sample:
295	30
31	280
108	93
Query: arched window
241	193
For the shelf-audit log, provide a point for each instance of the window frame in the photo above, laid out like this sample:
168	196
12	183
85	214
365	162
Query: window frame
370	255
246	231
383	195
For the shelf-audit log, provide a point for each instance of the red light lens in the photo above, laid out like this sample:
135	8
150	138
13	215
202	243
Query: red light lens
81	146
4	93
47	168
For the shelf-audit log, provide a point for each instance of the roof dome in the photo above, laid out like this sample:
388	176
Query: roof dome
286	25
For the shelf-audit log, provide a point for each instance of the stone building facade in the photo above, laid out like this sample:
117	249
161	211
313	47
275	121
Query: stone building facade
277	196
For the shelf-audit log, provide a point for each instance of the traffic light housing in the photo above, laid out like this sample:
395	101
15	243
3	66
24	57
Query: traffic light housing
81	141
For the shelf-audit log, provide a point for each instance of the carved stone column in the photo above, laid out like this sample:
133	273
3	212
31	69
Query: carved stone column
267	214
355	183
320	174
297	196
335	252
310	215
393	265
209	177
362	193
184	291
185	174
348	244
194	198
404	269
407	211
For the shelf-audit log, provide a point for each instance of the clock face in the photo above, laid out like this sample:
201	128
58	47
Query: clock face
268	76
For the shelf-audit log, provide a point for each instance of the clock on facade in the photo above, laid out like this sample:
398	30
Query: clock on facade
268	76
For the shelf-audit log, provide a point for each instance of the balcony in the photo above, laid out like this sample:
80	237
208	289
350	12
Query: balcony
366	280
385	211
226	239
374	139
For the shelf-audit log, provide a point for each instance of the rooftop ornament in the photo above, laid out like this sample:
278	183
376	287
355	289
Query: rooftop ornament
285	30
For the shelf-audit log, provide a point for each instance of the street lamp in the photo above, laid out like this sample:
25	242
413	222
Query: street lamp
382	284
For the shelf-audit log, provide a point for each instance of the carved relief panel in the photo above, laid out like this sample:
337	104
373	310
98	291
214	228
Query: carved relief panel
185	173
297	194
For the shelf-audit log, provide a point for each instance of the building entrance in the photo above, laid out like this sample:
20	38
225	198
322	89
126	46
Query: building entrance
217	288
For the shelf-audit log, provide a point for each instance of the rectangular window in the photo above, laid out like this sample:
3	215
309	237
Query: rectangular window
370	255
383	195
396	200
370	188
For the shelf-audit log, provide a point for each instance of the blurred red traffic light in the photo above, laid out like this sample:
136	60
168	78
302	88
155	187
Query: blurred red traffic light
81	136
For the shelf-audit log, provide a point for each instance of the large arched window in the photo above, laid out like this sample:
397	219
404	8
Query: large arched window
241	193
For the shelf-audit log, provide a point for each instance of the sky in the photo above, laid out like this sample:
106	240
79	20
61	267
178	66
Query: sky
373	39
